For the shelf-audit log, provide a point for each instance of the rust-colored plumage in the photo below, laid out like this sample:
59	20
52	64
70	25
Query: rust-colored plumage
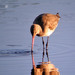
44	25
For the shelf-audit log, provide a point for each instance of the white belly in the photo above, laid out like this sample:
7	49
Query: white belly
48	32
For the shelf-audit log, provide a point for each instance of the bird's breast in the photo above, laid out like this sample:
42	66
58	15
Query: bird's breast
48	32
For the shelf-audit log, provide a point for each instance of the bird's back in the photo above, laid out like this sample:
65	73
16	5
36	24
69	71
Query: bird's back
47	20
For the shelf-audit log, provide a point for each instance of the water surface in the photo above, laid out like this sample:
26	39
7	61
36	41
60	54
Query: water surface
16	17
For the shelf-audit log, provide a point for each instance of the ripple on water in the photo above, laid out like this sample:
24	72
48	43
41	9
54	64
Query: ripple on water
35	3
14	52
62	50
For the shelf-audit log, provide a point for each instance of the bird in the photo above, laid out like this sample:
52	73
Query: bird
44	25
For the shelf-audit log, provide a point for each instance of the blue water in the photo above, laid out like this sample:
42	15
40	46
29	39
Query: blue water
16	17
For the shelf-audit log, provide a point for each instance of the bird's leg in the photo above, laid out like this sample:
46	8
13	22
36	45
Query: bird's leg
43	49
47	48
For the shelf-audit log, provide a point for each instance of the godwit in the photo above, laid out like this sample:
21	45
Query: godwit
44	25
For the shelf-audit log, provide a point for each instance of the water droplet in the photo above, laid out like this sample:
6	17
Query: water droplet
6	6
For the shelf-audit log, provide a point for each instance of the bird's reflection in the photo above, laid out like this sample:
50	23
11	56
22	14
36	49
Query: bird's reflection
44	68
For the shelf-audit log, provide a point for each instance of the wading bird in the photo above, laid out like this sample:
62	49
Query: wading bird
44	25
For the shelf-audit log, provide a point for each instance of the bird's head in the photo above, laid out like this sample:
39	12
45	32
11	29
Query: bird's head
35	30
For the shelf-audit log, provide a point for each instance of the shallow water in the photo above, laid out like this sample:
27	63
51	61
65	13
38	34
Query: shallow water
16	17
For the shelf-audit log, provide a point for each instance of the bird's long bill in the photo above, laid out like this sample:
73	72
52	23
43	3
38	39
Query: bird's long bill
32	42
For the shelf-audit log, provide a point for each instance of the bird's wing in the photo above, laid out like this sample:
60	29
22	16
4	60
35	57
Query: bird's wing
50	21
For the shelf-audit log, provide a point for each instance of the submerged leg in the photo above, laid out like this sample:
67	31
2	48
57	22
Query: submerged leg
47	48
43	49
